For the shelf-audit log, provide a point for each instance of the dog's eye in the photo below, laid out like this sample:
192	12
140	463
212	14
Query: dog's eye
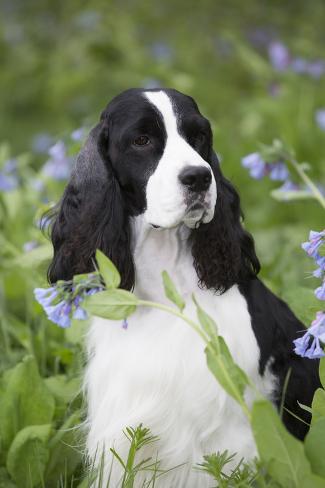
141	141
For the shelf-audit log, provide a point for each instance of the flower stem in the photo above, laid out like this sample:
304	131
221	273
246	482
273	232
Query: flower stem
315	191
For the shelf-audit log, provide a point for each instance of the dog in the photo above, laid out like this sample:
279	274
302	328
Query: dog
147	189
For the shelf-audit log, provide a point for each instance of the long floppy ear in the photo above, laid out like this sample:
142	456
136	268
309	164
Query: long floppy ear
91	215
223	252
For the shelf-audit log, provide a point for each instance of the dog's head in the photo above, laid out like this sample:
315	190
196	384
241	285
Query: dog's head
151	154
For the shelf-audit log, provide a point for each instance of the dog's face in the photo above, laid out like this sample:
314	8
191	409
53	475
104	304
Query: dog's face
159	146
150	154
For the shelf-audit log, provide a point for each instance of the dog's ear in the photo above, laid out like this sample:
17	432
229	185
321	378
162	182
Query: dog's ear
91	215
223	252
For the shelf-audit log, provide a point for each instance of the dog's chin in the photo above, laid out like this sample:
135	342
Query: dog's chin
193	217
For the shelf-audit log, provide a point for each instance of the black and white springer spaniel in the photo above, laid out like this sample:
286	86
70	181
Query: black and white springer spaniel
148	191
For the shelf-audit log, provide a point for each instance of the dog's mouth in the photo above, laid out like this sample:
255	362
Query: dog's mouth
195	214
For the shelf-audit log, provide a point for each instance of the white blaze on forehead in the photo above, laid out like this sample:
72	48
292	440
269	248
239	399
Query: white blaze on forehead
166	196
162	102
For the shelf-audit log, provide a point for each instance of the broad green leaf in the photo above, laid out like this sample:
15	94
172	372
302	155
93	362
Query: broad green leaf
111	304
318	405
225	370
207	323
65	454
26	400
283	454
314	446
171	292
63	389
108	270
28	455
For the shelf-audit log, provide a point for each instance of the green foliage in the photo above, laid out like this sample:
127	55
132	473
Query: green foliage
171	292
61	63
111	304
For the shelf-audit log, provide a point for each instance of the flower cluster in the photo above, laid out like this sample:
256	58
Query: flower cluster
282	60
258	168
63	301
8	175
309	345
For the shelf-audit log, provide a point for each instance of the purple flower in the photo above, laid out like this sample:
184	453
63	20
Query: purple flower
299	65
315	241
80	314
44	296
58	166
78	134
320	292
125	324
255	164
8	182
309	344
320	118
289	186
279	56
279	172
30	245
41	143
316	68
60	314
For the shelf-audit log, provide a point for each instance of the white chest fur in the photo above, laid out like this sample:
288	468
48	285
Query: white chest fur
155	372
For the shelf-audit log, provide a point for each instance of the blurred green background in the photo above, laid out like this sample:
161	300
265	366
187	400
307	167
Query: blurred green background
61	63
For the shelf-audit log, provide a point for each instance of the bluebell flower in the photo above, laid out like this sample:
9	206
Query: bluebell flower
255	164
30	245
315	241
299	65
80	314
8	182
78	134
60	314
320	292
41	142
279	55
320	118
59	165
279	172
316	68
42	295
309	344
125	324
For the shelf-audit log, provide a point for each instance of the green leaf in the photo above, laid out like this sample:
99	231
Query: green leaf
25	401
34	258
171	292
283	454
314	447
318	405
108	270
63	389
225	370
28	455
111	304
208	324
64	452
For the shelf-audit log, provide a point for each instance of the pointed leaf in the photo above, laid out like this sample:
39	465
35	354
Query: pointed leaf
318	405
171	292
28	455
220	362
279	450
108	270
111	304
207	323
314	445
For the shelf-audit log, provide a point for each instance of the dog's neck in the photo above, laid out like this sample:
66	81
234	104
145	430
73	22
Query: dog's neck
156	250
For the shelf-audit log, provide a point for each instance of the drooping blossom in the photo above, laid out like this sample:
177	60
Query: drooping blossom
59	165
279	55
309	345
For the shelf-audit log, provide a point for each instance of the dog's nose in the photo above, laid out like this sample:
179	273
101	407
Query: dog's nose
196	178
